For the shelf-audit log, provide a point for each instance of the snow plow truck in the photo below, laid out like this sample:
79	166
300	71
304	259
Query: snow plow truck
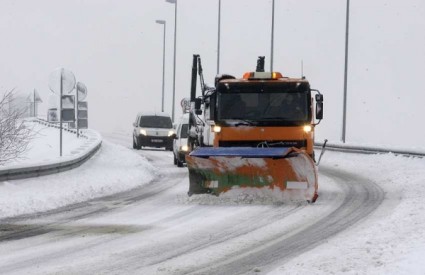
253	132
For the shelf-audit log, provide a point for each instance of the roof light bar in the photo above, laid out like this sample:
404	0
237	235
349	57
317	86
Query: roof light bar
262	75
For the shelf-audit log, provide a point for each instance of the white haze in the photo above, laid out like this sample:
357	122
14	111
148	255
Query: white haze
115	48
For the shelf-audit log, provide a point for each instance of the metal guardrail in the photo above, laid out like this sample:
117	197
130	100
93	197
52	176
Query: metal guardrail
56	125
368	150
50	168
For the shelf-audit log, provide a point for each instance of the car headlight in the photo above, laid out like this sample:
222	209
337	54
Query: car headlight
143	132
184	148
170	133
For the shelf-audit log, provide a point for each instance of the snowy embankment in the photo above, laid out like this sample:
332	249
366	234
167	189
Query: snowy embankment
44	148
112	169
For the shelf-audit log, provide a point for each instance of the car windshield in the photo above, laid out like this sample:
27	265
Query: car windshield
184	130
155	122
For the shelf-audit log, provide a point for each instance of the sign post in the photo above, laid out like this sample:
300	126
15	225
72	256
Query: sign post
62	81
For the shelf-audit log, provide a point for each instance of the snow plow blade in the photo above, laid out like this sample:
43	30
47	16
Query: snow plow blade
218	170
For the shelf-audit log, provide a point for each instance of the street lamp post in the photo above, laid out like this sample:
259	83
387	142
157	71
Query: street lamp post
218	38
272	39
174	65
163	22
344	110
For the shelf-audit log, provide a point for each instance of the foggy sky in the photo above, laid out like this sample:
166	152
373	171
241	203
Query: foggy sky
115	48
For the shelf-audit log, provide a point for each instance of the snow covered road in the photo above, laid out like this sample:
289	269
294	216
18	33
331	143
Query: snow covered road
362	223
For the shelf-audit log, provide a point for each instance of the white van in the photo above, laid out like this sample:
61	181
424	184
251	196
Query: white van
153	130
180	146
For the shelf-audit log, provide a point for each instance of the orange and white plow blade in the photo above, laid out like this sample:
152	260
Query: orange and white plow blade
217	170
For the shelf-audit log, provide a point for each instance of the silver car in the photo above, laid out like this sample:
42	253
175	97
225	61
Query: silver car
153	130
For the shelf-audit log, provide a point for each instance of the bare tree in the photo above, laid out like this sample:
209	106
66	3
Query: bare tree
14	134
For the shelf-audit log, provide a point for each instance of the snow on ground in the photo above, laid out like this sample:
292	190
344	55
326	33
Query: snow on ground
389	241
392	239
112	169
44	146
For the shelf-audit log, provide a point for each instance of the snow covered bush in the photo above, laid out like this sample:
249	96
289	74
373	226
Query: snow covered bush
14	135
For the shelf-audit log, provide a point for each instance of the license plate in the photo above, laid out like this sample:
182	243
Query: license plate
156	140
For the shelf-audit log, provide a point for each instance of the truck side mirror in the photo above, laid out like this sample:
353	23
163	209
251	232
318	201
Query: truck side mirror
134	124
198	103
319	98
319	110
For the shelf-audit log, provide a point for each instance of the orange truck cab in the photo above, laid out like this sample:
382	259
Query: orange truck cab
264	110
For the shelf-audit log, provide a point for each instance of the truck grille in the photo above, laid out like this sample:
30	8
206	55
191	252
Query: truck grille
270	143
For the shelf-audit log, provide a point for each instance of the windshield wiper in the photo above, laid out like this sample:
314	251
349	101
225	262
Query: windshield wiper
276	117
246	122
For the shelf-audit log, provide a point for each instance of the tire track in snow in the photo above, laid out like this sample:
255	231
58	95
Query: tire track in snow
362	197
201	239
58	223
23	226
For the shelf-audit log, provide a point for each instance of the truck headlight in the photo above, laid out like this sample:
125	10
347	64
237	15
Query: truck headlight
307	128
143	132
184	148
216	129
170	133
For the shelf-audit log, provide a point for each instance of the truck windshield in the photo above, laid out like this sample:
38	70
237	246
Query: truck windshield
288	106
155	122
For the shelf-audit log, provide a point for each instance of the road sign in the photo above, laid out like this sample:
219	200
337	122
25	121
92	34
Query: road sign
64	77
185	103
68	108
52	115
82	91
82	115
35	97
